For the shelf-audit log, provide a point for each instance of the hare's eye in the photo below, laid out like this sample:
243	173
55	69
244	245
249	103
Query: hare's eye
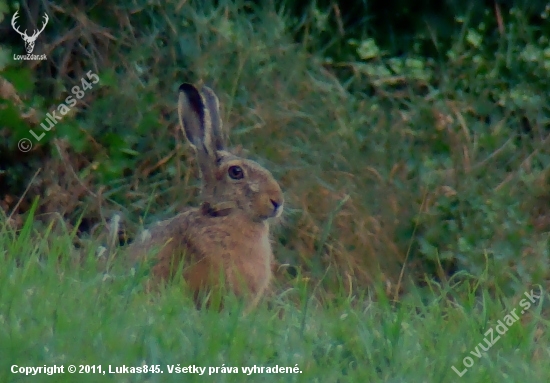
235	172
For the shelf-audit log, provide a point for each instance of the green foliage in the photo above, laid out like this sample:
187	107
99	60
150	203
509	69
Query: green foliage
437	131
412	144
56	311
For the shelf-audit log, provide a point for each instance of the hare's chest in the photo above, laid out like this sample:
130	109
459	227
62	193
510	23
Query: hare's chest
241	252
247	254
255	264
247	246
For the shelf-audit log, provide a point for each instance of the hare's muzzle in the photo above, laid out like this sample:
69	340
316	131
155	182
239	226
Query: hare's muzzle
277	207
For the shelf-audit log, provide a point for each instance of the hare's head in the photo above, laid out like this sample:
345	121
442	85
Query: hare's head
230	184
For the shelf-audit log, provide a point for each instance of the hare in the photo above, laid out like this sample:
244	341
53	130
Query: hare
224	242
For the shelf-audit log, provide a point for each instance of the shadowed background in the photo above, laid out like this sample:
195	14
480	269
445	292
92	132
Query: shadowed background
411	141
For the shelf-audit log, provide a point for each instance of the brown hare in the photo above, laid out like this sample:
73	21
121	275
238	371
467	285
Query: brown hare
227	237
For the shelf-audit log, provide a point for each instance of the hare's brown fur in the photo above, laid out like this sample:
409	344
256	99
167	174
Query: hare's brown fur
228	235
206	246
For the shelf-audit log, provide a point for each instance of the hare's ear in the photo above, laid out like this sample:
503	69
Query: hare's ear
192	115
196	122
219	139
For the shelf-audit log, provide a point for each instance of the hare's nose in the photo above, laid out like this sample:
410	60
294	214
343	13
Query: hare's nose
276	207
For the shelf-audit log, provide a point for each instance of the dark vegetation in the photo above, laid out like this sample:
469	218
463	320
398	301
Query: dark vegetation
412	141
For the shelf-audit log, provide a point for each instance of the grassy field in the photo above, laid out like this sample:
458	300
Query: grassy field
417	187
55	311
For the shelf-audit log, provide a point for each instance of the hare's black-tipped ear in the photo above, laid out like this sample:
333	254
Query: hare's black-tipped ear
191	112
219	139
196	122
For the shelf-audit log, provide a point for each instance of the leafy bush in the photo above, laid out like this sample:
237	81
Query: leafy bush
429	155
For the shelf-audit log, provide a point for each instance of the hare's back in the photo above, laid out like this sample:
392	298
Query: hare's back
161	237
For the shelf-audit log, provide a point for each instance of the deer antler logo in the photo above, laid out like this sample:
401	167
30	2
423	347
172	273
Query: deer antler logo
29	40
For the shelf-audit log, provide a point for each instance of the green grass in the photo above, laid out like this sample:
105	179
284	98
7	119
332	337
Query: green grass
417	194
55	311
389	162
